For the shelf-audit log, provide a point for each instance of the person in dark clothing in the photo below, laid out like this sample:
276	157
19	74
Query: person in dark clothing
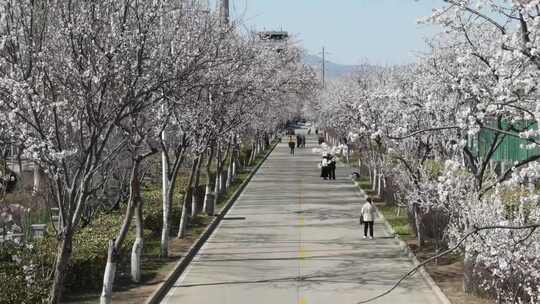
292	144
299	141
303	141
332	167
324	166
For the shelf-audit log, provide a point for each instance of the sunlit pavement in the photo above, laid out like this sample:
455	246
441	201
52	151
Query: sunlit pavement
294	238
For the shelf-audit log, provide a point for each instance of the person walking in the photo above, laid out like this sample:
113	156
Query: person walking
292	144
368	217
299	141
332	167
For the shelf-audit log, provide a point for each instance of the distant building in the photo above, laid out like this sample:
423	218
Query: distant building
275	39
275	36
28	174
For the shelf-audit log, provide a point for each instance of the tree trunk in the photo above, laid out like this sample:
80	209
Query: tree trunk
187	200
217	178
167	204
379	186
468	273
224	183
137	249
235	167
229	172
224	180
63	255
252	154
108	276
138	245
418	224
209	202
196	207
374	185
116	244
165	231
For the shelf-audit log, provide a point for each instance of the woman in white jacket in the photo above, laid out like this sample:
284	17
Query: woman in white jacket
368	217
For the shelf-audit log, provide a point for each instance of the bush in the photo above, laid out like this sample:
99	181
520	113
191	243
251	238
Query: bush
153	210
90	247
24	274
26	281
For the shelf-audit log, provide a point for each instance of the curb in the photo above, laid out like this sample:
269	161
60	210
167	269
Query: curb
408	252
159	294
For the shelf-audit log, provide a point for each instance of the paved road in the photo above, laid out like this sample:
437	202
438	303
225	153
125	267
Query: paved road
294	238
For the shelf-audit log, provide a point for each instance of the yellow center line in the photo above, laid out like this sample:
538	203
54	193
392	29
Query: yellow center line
302	252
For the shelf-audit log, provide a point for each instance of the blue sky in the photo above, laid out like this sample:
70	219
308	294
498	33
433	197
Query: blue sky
353	31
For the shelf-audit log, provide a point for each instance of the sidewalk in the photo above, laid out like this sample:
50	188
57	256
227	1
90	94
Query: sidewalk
294	238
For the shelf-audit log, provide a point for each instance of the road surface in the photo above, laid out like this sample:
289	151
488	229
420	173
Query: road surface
294	238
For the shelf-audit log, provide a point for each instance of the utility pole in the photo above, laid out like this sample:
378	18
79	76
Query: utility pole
323	67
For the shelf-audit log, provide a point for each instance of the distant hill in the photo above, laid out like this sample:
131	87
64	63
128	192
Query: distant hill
333	70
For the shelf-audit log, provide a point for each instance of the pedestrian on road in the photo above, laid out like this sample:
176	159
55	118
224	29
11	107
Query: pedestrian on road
299	141
303	141
332	167
292	144
324	166
368	216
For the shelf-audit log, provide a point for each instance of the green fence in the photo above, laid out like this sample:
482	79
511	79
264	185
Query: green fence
510	149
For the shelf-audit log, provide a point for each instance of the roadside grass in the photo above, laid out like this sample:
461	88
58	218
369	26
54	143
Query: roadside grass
400	223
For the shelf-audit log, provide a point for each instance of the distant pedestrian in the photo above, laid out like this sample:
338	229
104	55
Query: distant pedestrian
292	144
332	167
299	141
368	217
324	166
303	141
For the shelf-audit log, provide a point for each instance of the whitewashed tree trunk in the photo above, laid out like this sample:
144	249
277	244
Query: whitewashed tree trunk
195	207
183	222
252	155
418	224
137	248
136	256
167	203
113	255
108	277
217	186
379	185
37	179
184	217
374	179
230	172
468	273
209	202
234	168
